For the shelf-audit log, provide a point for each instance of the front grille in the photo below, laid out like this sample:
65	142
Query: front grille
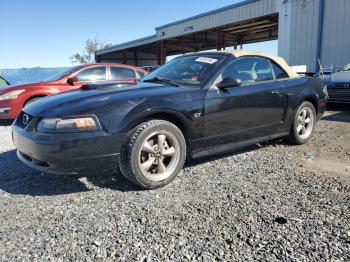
339	85
23	120
33	160
339	90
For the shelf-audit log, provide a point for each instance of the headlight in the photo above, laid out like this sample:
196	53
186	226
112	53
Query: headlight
69	125
11	95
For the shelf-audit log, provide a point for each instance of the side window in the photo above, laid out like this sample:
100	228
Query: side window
92	74
249	69
263	70
122	73
279	72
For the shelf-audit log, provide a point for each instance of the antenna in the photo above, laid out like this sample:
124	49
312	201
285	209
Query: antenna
321	67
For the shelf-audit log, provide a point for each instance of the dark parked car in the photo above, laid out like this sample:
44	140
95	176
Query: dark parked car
339	86
339	92
195	105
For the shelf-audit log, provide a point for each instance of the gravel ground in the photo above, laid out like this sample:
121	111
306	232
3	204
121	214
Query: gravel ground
269	202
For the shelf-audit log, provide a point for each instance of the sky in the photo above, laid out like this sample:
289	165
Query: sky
46	33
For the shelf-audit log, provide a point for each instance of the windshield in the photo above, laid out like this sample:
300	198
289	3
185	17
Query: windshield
191	70
346	68
62	74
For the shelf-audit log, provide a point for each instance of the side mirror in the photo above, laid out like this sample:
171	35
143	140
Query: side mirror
72	80
229	82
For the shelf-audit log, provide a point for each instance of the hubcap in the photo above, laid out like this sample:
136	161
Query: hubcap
305	123
159	155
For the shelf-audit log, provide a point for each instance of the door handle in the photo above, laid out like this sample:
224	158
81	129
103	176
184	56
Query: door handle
275	92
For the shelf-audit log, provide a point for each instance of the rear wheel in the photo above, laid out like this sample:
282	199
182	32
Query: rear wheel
304	124
154	154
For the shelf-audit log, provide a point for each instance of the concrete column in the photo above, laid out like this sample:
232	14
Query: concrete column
125	58
135	57
161	52
219	39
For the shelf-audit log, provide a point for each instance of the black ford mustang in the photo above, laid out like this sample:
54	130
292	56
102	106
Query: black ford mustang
195	105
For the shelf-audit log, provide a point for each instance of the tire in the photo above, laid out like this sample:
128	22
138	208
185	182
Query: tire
32	100
302	130
153	154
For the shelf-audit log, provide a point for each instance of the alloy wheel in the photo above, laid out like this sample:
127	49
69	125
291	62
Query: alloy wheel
159	155
305	123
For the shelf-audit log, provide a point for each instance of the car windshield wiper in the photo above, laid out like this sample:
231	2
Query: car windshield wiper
161	80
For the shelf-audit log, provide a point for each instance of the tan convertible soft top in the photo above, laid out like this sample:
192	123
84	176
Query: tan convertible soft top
278	60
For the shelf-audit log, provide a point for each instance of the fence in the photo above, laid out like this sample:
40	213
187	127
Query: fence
29	75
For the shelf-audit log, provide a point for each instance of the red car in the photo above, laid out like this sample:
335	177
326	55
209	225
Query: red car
14	98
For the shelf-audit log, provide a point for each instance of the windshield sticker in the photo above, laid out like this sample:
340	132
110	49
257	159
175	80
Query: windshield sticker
206	60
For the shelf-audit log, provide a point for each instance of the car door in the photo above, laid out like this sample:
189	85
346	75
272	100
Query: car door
122	74
252	110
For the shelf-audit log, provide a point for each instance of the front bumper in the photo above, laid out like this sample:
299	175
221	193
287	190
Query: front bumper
9	109
322	107
71	153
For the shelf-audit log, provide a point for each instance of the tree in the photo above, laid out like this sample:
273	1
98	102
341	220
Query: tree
88	55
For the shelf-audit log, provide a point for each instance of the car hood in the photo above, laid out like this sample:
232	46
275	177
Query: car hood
23	86
92	100
341	77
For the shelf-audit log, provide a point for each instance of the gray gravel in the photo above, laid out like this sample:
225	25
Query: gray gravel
252	205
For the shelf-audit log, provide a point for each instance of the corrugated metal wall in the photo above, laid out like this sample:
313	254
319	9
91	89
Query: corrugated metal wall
336	33
299	26
236	14
143	58
303	33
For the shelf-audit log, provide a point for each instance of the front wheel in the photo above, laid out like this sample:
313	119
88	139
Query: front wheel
154	154
304	124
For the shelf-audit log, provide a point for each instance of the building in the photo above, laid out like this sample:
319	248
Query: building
307	30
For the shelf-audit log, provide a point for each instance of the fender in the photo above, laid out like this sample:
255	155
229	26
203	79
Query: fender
181	109
37	92
139	114
307	94
47	91
306	89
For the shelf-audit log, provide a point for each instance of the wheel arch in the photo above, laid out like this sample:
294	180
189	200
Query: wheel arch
173	117
33	97
313	101
308	95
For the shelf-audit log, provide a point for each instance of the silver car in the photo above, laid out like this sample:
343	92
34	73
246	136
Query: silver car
342	76
339	87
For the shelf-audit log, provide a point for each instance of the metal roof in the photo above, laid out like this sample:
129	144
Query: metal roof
130	44
153	38
245	2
